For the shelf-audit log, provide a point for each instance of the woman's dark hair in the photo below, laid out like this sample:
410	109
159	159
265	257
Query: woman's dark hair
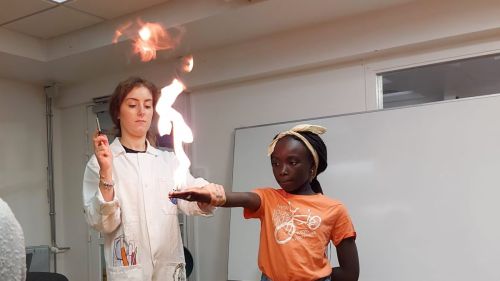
320	147
120	93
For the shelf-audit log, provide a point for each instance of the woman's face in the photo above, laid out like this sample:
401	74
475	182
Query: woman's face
136	112
292	166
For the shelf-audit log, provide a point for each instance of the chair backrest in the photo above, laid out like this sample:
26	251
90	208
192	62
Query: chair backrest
45	276
189	262
29	256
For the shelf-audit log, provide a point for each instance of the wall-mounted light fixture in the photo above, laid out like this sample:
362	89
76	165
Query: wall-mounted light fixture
58	1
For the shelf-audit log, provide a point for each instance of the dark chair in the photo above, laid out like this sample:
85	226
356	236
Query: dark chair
189	262
45	276
29	256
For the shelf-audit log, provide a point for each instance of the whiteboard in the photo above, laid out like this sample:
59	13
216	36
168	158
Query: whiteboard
422	185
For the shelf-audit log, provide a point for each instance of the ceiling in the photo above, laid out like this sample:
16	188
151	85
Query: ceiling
44	41
45	19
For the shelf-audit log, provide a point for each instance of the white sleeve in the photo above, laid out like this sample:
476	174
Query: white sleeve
12	251
192	208
102	216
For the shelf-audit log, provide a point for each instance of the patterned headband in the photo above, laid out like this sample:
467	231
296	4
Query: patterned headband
295	131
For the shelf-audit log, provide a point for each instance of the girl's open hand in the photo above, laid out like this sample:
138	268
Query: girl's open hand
192	194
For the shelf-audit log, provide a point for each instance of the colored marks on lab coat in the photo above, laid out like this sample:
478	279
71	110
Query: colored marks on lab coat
125	252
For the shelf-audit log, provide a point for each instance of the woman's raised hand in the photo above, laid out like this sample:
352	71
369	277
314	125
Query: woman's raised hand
103	153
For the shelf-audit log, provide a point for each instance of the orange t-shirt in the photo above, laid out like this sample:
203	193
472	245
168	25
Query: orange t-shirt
295	232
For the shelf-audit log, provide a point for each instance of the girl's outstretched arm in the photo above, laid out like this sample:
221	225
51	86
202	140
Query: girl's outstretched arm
347	254
248	200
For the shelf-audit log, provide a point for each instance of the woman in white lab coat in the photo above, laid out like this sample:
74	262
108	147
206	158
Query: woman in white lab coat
125	192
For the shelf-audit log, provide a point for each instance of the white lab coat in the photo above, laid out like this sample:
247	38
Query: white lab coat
142	239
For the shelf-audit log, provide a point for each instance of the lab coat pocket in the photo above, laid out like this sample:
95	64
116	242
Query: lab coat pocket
129	273
125	248
168	206
173	271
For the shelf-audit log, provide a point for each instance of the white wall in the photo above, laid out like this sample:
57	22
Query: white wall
23	167
402	29
74	228
24	158
321	70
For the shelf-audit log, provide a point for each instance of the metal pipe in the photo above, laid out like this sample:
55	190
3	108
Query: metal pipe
50	92
50	169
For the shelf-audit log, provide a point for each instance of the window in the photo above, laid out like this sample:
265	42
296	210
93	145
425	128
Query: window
444	81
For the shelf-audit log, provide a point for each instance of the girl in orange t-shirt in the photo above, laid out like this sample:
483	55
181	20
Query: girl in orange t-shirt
297	221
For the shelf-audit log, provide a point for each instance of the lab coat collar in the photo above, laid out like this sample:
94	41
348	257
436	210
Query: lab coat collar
117	148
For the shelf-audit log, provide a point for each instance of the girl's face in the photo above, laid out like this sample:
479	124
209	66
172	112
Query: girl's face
292	166
136	112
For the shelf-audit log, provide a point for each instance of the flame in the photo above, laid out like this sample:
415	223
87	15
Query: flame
148	38
182	133
188	63
121	31
145	33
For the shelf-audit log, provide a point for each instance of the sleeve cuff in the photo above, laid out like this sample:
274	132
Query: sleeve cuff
106	208
345	236
206	209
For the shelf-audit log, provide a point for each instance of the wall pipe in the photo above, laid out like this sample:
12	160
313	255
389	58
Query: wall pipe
50	92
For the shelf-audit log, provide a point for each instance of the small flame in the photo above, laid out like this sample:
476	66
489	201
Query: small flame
145	33
148	38
170	117
188	63
121	31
